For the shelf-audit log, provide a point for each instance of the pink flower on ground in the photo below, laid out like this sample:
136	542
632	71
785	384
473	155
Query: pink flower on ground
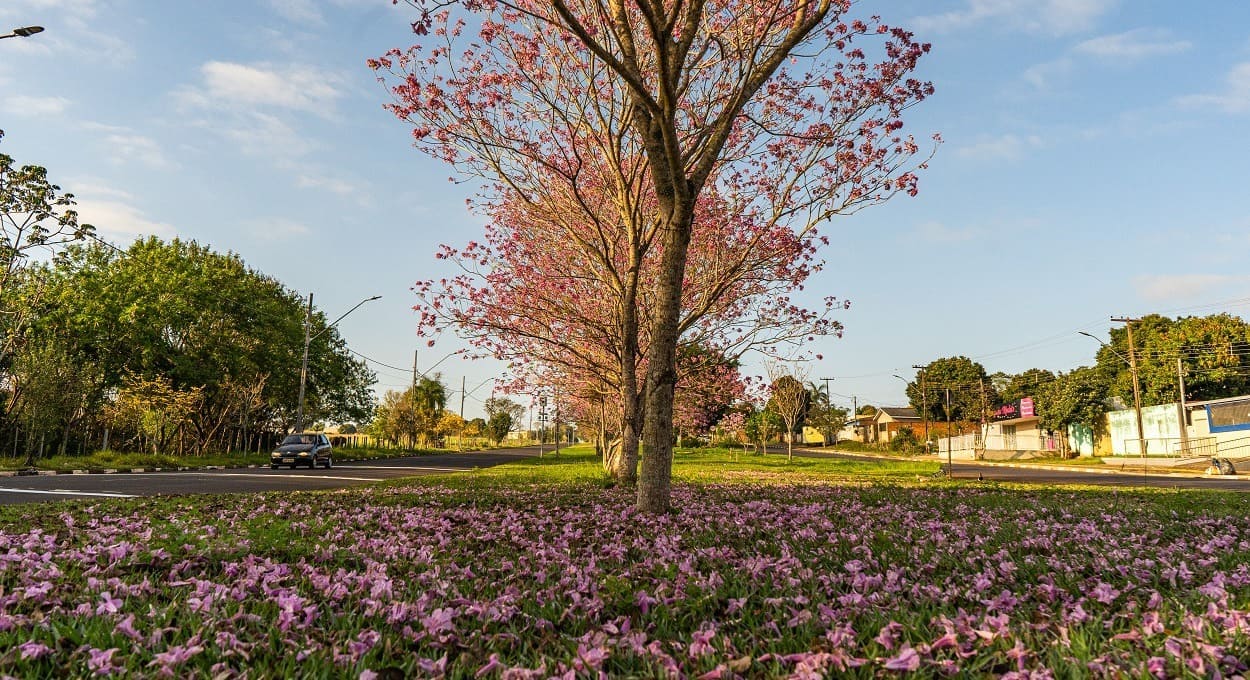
492	664
34	650
101	661
907	660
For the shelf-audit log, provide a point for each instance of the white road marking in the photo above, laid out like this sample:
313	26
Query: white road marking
67	492
402	467
271	475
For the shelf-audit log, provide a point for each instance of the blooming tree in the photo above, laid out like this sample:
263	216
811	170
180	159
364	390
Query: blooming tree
772	108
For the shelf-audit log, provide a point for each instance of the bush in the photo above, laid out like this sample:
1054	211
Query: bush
905	441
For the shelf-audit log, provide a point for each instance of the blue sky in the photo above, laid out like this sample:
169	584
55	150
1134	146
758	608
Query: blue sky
1093	165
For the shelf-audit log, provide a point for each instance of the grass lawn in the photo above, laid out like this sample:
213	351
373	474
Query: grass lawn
542	568
123	459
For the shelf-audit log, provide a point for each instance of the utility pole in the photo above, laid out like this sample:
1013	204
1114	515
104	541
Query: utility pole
303	371
1182	420
413	399
950	457
1132	365
462	395
855	415
984	419
924	400
828	405
555	397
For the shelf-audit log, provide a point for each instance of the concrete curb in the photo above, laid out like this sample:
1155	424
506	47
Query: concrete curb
1090	469
122	471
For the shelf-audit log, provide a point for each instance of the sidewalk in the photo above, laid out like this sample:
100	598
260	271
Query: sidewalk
1119	468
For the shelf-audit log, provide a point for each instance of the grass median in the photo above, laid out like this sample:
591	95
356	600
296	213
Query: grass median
542	568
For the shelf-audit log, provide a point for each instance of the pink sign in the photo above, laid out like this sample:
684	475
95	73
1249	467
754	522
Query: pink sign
1026	408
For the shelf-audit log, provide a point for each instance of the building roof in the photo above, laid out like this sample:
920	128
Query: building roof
899	412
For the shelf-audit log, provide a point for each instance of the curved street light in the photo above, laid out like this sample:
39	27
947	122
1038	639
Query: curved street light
23	32
303	371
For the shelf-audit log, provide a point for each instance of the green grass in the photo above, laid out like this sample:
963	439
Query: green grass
129	459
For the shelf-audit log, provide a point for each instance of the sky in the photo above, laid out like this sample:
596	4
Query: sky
1093	165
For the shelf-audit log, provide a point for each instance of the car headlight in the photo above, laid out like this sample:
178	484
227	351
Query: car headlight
304	453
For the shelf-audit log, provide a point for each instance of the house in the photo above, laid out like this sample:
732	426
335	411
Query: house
888	421
1014	431
1201	429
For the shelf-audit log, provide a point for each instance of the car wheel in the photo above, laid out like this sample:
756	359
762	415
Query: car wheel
273	466
329	462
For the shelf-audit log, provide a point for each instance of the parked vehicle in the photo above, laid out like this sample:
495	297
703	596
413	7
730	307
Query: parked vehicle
307	448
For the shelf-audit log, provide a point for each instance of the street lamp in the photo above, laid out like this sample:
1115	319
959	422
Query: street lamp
1132	364
303	371
23	32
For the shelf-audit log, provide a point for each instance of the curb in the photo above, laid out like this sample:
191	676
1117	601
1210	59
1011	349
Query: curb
122	471
1026	466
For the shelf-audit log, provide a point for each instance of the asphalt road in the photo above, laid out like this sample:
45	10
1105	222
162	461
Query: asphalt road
1001	473
244	480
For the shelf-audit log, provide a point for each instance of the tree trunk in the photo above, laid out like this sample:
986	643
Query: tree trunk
790	447
657	463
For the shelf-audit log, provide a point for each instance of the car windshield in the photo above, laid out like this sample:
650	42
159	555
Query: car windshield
300	439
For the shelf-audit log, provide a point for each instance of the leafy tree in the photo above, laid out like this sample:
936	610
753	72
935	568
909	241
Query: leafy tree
964	379
1212	349
1076	397
501	415
905	440
690	104
824	415
762	425
788	398
1030	383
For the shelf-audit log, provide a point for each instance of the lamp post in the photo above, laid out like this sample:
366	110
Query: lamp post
303	371
1132	364
23	32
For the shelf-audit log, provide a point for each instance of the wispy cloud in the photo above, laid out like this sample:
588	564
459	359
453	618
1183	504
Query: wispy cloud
276	228
124	145
298	11
251	87
113	212
1113	49
23	105
1163	287
1007	147
936	232
1235	97
1052	17
1133	45
74	28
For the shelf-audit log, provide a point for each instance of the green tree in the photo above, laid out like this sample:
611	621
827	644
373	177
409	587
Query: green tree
964	379
1076	397
1212	351
501	415
762	426
1030	383
823	414
201	320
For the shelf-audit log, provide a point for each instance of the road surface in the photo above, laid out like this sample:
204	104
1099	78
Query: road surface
1025	473
244	480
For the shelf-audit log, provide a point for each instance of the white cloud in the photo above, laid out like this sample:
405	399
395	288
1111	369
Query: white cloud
335	185
1161	287
23	105
113	213
74	27
243	87
1053	17
131	147
1002	148
276	228
936	232
298	11
1133	45
1235	98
